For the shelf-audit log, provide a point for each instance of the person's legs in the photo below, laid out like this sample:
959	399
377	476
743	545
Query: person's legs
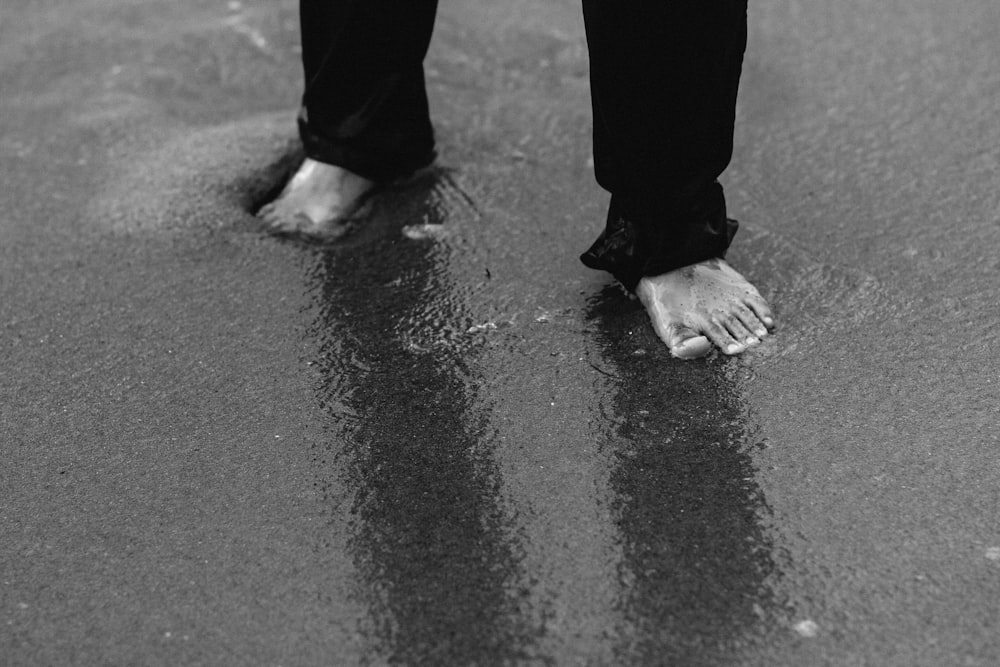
664	79
364	118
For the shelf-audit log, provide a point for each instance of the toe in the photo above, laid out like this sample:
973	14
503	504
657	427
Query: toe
301	223
740	332
760	308
719	335
750	320
683	341
686	343
269	216
277	223
692	348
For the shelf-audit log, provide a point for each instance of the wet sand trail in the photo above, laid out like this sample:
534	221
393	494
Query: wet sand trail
442	440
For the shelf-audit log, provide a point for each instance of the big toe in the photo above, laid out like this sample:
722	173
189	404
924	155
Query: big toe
691	348
686	343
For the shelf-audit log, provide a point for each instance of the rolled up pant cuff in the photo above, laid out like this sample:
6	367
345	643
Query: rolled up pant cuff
380	167
642	239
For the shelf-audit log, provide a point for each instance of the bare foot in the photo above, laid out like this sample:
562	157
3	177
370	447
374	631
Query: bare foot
317	201
705	303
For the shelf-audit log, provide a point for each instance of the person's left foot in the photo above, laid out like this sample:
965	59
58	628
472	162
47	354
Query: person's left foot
317	201
703	304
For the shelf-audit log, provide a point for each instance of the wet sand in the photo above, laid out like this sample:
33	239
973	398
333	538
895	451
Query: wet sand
445	441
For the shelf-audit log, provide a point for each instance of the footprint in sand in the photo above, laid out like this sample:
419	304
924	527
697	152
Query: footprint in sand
208	178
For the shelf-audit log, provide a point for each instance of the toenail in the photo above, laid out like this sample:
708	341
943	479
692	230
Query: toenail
752	340
732	349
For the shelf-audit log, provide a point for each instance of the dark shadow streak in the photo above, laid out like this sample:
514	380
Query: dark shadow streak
696	558
436	566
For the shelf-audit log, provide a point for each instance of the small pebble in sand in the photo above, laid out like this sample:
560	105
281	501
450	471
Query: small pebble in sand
807	628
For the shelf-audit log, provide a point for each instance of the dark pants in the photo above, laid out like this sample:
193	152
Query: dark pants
664	77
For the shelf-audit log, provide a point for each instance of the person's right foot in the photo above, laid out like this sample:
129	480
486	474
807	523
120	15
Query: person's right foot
703	304
317	202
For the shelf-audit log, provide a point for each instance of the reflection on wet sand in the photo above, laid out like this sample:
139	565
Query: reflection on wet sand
435	563
696	559
635	536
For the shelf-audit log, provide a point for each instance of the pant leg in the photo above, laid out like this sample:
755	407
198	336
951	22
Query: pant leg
664	79
365	104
